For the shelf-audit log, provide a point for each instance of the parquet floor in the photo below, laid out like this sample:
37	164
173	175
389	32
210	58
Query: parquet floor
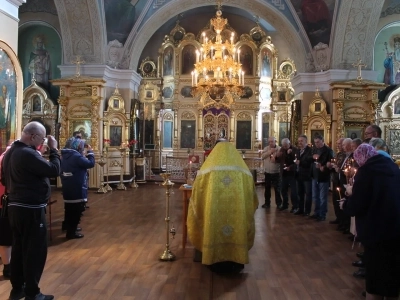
293	257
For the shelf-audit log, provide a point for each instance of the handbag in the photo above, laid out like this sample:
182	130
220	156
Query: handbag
5	228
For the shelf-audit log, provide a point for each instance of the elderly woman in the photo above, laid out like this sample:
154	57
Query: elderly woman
74	178
380	146
375	202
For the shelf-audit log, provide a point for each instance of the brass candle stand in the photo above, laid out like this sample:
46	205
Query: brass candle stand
167	255
107	186
134	184
101	163
121	185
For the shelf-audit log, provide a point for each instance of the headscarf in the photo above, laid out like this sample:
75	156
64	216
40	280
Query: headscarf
363	153
76	144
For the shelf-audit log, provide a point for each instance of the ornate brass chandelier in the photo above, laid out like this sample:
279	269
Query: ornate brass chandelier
218	69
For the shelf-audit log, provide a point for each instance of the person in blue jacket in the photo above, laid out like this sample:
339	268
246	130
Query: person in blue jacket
74	179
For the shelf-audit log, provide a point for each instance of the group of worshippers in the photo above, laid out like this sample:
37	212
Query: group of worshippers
25	177
365	186
304	170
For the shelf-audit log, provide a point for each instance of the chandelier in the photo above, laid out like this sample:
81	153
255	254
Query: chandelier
217	70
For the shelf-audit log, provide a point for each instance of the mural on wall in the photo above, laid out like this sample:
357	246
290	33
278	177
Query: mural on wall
266	59
246	59
39	52
188	59
387	55
168	61
316	17
121	15
8	93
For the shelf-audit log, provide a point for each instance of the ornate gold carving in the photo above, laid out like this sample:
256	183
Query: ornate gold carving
81	92
355	113
168	116
243	116
359	95
188	115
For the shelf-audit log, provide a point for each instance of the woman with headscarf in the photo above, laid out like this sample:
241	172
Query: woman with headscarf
74	179
221	210
375	202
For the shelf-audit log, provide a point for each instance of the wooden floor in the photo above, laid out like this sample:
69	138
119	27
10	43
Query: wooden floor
292	258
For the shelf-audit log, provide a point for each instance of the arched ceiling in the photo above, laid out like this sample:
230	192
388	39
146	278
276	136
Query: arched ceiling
89	25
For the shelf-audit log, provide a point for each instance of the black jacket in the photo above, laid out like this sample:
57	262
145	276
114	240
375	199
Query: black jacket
25	173
287	161
304	167
375	201
325	155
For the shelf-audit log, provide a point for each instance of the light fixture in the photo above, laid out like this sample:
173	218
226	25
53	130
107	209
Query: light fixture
218	69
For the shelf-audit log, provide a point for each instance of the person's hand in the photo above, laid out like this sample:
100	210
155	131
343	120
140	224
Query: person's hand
289	151
315	156
337	169
297	161
341	202
51	142
349	190
329	165
321	168
42	149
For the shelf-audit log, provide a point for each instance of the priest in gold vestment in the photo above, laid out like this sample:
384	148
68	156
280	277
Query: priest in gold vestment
221	210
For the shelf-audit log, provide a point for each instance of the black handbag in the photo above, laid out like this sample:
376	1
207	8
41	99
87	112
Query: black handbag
5	228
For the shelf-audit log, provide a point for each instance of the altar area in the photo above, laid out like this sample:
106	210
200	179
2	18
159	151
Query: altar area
202	87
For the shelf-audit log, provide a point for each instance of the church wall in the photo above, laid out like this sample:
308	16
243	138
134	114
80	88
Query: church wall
9	31
26	48
30	18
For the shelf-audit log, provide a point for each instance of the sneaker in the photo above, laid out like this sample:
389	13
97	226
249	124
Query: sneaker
40	296
17	294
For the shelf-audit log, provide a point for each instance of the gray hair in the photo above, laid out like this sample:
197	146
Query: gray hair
286	141
347	141
378	144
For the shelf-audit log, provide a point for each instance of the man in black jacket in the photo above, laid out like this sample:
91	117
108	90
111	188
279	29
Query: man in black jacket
286	157
25	173
322	155
304	162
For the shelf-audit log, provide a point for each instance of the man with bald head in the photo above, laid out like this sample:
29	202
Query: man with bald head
25	173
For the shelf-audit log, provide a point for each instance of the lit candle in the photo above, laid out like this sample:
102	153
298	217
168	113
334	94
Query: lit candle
242	77
204	35
192	78
340	196
197	56
238	56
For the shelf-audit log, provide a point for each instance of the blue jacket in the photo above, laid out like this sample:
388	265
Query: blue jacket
375	200
74	176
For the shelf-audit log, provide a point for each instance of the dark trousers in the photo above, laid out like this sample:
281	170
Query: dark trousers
29	249
272	180
286	183
72	217
304	189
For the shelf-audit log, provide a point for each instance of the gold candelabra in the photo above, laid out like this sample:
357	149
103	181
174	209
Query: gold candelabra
121	185
218	70
101	163
167	255
134	184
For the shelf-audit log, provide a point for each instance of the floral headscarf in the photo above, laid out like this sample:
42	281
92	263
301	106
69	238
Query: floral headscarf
76	144
363	153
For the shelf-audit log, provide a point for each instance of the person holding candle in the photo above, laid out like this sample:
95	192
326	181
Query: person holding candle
288	168
374	200
271	171
322	155
345	171
338	160
304	161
